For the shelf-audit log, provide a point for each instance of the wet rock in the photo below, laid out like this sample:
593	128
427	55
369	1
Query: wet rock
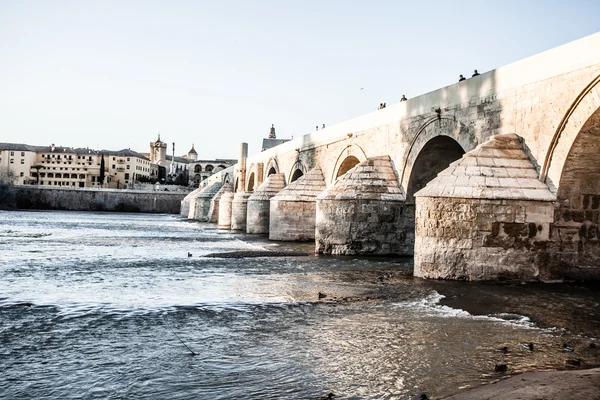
328	397
424	397
503	350
256	253
573	362
322	295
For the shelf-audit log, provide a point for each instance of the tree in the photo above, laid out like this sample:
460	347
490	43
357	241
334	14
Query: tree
7	176
101	178
37	167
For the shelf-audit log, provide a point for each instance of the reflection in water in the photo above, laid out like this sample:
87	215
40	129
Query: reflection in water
92	305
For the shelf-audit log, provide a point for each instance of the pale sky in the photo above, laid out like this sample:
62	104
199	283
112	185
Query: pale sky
111	74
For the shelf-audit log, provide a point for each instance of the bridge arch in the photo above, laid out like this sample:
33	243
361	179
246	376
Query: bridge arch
251	180
351	156
576	226
272	167
434	157
297	171
250	185
578	114
445	126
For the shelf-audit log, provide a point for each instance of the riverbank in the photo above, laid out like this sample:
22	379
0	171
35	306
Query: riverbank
34	197
553	385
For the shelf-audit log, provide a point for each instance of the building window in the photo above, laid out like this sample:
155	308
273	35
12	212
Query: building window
12	153
22	154
22	174
127	158
12	160
126	176
114	158
22	161
113	167
128	167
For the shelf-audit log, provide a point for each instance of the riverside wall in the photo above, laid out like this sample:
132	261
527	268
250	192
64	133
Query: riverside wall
14	197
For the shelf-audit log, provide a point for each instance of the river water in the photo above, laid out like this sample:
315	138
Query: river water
98	305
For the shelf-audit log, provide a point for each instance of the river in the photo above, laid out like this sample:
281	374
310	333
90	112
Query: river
105	305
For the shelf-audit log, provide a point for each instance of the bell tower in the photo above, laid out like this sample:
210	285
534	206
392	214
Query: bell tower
158	152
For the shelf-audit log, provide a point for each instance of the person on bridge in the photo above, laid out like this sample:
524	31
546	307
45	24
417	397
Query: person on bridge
403	98
461	78
475	73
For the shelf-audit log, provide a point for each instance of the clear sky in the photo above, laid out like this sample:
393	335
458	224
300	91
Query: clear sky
111	74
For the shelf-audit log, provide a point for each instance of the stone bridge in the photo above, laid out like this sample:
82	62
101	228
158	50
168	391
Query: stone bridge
494	177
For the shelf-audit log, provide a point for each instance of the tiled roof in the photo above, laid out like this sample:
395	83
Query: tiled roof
17	147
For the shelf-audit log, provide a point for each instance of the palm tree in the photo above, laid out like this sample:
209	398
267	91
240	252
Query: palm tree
102	171
37	167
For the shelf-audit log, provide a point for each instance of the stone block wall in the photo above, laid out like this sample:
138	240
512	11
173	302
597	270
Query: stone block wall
112	200
481	239
258	216
185	203
292	220
364	226
202	202
213	212
574	248
225	206
239	211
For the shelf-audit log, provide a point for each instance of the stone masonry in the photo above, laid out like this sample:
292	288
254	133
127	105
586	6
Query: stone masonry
486	217
203	201
259	204
364	213
185	203
239	211
213	212
294	209
224	221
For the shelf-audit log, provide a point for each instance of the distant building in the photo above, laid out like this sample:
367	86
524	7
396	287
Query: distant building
186	169
272	140
65	166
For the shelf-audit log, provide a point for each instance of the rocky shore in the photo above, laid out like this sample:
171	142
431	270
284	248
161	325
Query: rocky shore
555	385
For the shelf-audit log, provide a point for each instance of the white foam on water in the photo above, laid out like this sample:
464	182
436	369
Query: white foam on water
430	306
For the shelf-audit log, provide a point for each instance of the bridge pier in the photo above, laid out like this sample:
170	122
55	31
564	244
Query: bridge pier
201	203
185	203
364	212
213	212
239	211
293	211
225	202
485	217
259	204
